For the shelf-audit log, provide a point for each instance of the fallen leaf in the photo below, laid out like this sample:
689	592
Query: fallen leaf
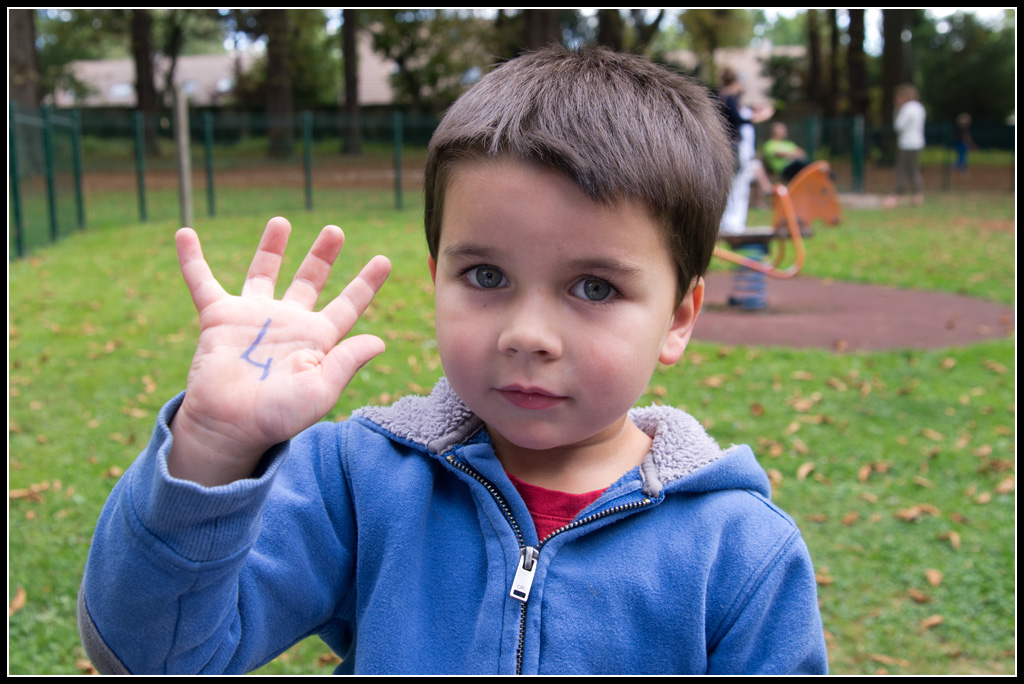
923	482
817	517
85	667
953	537
824	579
919	596
995	367
933	435
113	471
864	472
948	362
850	518
908	514
933	576
889	660
803	471
869	497
17	603
756	409
836	384
774	476
931	621
983	498
1006	486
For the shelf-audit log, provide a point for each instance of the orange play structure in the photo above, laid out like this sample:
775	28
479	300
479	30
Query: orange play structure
810	196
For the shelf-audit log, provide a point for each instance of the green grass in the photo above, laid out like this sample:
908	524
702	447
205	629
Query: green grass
102	331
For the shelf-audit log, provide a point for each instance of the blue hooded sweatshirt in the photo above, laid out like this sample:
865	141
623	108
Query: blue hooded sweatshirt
398	539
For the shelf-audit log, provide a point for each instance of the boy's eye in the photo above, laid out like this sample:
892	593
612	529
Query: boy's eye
593	289
486	277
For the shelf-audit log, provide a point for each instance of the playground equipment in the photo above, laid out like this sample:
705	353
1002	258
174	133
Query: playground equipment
810	196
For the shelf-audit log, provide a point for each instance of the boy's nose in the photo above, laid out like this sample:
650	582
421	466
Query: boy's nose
531	328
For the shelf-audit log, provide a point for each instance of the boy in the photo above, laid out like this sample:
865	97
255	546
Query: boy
520	519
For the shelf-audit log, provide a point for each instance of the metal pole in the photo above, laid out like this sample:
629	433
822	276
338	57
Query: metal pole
208	156
140	163
76	161
51	189
307	156
19	226
181	139
857	157
397	119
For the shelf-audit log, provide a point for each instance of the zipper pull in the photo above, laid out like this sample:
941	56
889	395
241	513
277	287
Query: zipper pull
524	573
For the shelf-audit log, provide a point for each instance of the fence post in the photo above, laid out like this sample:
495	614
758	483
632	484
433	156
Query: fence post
19	227
397	119
208	157
812	135
307	156
857	154
76	161
140	163
51	189
181	139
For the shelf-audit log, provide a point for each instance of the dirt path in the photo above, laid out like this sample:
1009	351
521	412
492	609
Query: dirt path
804	312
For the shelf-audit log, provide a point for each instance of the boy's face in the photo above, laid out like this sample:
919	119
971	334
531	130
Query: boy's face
552	311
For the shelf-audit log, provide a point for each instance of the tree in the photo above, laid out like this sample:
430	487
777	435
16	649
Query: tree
351	137
613	31
437	52
147	101
814	90
966	66
832	98
279	84
23	85
711	29
540	28
857	65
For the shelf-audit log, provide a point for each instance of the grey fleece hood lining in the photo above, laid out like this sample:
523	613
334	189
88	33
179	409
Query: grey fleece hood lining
441	420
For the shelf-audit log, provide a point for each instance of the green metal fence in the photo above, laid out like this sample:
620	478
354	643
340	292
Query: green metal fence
45	177
119	167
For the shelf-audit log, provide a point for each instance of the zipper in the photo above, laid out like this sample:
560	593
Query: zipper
528	555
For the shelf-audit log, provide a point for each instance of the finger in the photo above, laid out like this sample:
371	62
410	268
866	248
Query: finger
342	362
345	309
266	264
202	286
312	274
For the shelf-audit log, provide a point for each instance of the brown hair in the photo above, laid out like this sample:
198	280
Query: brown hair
620	127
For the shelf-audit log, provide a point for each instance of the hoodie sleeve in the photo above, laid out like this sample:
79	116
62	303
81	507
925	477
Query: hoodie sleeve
776	624
184	578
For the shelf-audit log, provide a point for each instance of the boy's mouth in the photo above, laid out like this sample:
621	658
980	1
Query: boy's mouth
530	397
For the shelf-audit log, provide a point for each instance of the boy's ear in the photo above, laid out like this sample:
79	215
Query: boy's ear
682	324
432	265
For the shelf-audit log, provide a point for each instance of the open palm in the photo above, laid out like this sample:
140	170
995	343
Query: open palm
266	369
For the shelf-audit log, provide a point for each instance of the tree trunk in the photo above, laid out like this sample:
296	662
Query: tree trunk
540	28
23	76
147	100
814	90
894	21
856	65
281	139
610	29
352	138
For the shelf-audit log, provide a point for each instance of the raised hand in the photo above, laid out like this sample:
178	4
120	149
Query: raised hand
266	369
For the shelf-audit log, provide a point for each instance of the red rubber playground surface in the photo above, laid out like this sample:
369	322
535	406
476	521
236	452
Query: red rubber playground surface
805	312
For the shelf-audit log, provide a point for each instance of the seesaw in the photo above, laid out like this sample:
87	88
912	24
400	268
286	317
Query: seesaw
811	196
